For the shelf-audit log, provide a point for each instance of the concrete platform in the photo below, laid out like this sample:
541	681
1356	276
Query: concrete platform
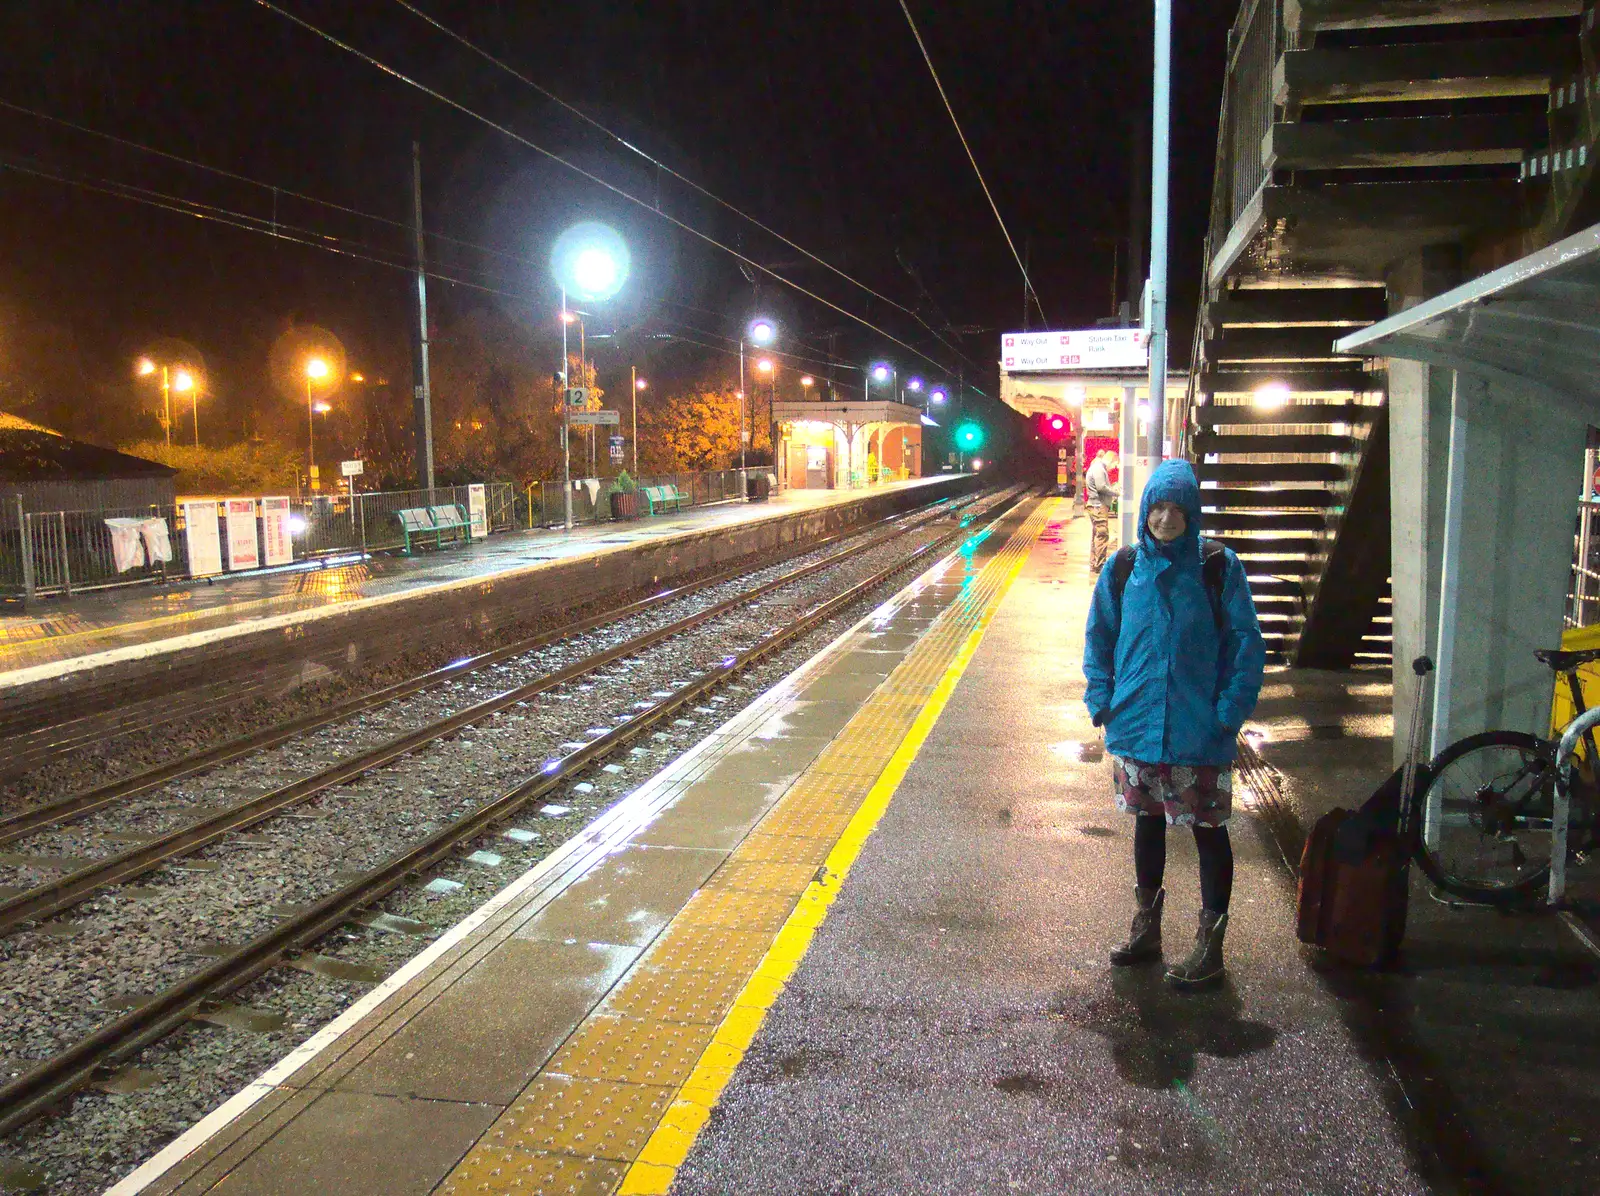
855	942
99	621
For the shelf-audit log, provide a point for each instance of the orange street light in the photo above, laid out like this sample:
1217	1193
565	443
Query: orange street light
765	365
358	377
316	368
322	408
146	367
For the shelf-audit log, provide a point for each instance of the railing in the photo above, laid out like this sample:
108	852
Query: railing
1583	595
1254	44
59	552
540	504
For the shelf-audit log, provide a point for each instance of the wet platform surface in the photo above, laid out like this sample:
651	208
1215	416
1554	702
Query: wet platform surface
99	621
855	942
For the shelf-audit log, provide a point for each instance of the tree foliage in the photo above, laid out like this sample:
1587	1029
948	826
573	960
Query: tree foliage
695	429
255	467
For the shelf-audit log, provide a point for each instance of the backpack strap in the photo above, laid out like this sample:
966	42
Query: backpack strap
1121	568
1213	572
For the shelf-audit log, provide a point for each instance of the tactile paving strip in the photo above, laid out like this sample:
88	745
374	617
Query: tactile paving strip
695	1000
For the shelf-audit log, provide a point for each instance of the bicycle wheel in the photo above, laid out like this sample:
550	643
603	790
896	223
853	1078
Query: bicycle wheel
1484	817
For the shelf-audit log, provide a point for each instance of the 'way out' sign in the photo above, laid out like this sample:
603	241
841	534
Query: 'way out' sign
1088	349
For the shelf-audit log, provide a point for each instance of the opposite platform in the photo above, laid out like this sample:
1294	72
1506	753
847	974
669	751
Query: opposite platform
102	621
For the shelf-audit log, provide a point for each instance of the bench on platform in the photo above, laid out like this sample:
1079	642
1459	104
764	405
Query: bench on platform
419	522
659	498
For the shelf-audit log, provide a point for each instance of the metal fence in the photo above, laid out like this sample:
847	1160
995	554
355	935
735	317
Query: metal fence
1254	44
540	504
59	552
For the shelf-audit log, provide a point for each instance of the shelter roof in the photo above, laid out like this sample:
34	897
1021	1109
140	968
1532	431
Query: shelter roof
1535	322
30	453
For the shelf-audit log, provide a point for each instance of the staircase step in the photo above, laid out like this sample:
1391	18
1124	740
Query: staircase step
1266	604
1257	346
1312	16
1215	415
1328	380
1206	443
1273	521
1268	558
1278	500
1275	589
1502	66
1291	306
1263	471
1466	139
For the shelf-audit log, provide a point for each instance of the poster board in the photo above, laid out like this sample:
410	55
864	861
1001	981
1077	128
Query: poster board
202	538
276	532
243	551
478	509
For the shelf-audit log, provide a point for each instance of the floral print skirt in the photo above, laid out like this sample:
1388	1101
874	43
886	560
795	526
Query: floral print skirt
1189	795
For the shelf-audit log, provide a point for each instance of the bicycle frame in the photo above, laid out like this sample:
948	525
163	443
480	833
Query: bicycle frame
1561	808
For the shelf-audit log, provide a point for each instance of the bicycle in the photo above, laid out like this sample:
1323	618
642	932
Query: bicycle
1497	808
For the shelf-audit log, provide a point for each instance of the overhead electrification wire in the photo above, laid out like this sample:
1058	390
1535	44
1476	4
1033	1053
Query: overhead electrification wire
246	222
286	192
461	40
593	178
928	58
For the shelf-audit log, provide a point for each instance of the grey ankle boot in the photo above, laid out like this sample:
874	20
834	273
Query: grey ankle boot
1144	943
1204	965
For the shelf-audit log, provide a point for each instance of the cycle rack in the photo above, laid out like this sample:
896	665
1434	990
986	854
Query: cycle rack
1561	806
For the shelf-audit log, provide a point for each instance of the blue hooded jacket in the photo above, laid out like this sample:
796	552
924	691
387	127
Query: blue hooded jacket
1167	687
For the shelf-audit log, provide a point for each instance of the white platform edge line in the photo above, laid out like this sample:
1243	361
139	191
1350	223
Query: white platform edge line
631	813
17	678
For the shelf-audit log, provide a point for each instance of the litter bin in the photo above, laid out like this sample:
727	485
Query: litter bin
758	487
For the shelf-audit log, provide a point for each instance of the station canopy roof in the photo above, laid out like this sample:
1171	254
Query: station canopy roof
858	413
1534	324
30	452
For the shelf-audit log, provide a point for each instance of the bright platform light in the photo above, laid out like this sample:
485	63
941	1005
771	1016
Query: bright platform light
590	261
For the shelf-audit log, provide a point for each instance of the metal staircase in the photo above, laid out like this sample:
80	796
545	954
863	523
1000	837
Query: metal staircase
1354	133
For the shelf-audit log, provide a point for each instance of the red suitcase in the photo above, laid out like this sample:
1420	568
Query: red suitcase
1355	869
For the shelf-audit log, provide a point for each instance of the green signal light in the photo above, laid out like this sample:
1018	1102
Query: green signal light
969	436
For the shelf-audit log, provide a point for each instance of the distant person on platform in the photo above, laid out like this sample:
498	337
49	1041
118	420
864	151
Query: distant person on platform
1173	666
1101	495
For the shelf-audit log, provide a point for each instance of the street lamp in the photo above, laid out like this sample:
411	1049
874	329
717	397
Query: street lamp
184	383
638	385
174	376
936	395
759	331
807	382
590	261
316	370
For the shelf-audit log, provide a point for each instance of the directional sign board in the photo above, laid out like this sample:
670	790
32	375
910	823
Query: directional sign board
595	417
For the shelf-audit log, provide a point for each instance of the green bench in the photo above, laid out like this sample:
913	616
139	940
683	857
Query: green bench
417	523
657	498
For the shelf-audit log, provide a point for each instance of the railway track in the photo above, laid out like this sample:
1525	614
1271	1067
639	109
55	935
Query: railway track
79	805
37	735
119	1040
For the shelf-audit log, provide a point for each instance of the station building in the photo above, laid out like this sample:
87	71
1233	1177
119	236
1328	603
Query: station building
841	445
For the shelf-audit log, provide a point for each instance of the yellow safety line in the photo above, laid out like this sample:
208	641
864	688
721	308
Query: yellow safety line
653	1171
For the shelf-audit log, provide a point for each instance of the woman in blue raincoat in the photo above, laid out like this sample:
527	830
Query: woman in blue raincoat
1173	665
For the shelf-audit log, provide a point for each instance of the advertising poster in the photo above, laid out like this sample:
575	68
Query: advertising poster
203	538
478	508
243	552
276	531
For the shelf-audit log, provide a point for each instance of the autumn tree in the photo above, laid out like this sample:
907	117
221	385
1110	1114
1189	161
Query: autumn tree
692	430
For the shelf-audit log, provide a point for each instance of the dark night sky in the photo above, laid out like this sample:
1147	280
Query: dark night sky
818	118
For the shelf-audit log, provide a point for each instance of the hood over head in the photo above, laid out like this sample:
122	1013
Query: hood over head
1172	481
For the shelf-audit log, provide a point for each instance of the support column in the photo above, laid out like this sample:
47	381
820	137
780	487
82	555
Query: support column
1419	419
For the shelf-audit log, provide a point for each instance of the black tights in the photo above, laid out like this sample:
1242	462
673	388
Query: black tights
1216	859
